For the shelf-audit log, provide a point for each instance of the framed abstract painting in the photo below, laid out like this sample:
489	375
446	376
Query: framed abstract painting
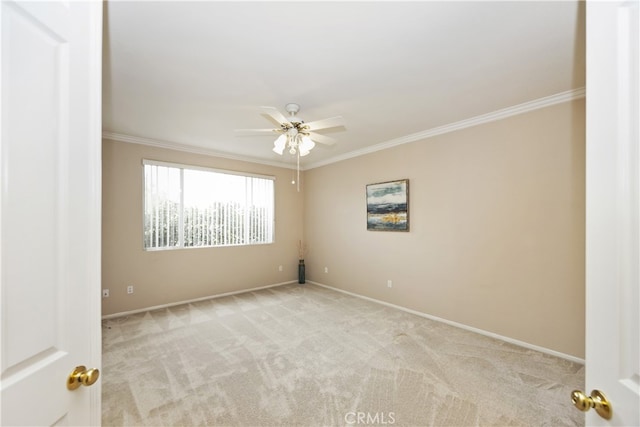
388	206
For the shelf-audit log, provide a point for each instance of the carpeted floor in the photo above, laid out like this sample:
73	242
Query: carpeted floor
304	355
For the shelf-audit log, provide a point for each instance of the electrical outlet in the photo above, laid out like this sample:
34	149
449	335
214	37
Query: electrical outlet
130	289
105	293
326	269
279	268
389	284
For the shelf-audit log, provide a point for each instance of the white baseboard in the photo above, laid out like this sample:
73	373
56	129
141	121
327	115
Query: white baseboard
461	326
172	304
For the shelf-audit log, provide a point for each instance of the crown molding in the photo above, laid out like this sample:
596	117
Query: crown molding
119	137
525	107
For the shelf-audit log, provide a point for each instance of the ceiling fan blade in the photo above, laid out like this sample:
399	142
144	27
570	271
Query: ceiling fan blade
250	132
331	122
322	139
275	114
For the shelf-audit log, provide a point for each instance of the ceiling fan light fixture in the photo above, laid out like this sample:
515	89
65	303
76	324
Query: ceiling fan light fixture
306	145
280	144
294	135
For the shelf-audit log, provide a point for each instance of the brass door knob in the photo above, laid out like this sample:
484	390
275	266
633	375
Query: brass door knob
597	400
82	376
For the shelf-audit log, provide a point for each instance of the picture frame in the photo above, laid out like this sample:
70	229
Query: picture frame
388	206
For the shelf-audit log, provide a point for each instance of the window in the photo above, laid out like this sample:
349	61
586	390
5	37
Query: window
187	206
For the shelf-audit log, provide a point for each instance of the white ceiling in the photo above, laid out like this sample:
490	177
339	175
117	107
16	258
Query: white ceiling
190	73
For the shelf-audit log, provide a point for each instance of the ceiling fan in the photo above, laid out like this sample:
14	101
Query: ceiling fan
296	135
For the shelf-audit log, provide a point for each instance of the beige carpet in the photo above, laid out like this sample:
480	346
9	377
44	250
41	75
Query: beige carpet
304	355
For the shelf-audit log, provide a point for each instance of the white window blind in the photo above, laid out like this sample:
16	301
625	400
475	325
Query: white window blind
196	207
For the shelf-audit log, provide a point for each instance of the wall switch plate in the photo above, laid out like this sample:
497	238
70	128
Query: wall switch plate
279	268
389	284
105	293
129	289
326	269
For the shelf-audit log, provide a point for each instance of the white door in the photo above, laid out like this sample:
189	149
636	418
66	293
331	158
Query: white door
50	179
613	208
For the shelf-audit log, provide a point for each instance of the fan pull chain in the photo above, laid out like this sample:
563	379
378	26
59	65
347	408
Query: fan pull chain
298	180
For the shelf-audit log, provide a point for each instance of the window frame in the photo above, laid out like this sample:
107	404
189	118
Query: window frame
183	167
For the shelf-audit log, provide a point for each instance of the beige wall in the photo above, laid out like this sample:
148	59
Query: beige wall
161	277
497	227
